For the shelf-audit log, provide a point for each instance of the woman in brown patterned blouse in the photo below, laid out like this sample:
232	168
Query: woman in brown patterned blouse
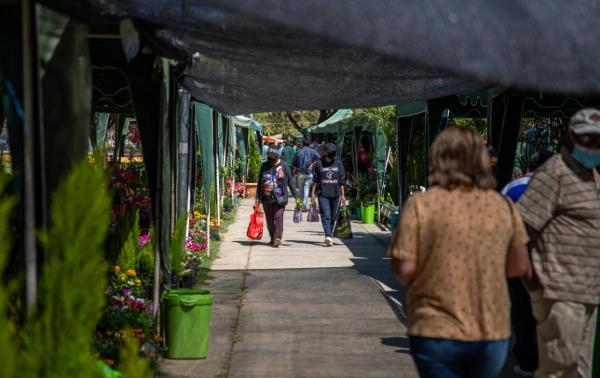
454	247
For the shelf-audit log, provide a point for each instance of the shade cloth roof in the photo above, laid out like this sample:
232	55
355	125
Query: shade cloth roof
244	56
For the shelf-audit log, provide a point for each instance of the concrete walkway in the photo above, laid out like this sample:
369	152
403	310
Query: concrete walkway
303	310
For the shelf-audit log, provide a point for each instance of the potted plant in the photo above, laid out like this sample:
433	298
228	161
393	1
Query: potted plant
361	184
227	204
354	204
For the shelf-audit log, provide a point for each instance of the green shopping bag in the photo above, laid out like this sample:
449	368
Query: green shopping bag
342	228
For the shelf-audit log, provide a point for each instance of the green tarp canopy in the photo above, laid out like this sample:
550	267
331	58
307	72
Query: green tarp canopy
245	122
331	124
411	109
204	130
344	121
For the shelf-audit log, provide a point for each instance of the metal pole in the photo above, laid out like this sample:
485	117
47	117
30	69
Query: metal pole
29	91
207	226
355	150
218	181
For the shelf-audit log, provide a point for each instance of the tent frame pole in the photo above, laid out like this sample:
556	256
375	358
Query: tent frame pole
31	101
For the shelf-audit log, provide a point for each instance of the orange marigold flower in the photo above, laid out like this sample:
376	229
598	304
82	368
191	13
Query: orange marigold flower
131	272
116	268
158	339
109	362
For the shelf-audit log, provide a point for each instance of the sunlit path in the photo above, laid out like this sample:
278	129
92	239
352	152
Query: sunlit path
306	310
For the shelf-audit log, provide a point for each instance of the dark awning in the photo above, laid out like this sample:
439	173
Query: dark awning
244	56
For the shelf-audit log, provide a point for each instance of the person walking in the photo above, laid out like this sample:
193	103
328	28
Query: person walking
453	248
288	153
329	180
561	208
275	178
523	323
304	162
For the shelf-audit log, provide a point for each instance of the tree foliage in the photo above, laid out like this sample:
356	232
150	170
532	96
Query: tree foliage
384	117
292	123
254	160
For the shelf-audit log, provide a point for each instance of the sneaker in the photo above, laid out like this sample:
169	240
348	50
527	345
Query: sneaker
271	242
276	243
520	372
328	241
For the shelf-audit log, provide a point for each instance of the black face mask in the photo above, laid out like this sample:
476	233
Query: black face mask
272	161
330	157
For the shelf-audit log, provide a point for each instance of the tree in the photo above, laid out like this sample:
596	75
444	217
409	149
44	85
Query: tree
292	123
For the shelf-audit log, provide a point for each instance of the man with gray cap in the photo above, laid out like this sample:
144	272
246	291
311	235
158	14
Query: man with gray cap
561	208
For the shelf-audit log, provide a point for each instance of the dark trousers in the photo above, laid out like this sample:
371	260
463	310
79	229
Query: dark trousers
524	326
274	218
328	207
444	358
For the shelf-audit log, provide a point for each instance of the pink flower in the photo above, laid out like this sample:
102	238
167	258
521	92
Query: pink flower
191	245
144	239
203	246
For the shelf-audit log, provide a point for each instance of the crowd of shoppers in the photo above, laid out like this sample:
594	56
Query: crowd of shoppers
311	170
456	244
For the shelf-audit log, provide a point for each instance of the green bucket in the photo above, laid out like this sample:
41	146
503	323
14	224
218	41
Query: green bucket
187	322
367	213
357	211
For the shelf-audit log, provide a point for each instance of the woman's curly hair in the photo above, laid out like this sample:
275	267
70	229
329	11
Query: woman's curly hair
458	158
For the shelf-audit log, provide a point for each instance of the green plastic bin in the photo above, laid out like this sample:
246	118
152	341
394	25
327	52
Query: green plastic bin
187	322
368	213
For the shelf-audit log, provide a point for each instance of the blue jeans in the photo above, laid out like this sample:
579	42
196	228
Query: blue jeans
304	182
445	358
328	208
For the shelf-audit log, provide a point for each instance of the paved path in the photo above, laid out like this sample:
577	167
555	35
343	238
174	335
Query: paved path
303	310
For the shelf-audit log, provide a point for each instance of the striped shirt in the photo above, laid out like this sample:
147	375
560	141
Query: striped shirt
562	202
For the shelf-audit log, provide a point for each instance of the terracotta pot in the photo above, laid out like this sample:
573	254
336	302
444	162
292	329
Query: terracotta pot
251	189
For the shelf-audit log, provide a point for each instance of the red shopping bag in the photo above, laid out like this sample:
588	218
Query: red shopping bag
255	228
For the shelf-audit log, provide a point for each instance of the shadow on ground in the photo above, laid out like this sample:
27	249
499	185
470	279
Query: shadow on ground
373	262
401	343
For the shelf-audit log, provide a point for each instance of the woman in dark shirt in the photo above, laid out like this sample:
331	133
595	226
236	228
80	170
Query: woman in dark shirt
275	177
329	177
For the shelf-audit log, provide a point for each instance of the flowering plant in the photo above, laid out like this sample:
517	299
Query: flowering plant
239	189
126	309
130	192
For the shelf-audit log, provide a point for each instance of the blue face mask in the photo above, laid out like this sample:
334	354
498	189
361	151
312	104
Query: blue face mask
586	157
